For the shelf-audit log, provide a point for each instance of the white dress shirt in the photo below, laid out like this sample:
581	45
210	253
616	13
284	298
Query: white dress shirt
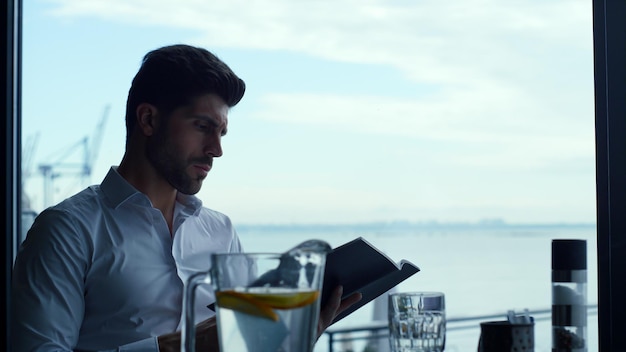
101	271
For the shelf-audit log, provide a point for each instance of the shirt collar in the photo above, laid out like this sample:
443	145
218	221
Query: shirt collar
191	203
117	190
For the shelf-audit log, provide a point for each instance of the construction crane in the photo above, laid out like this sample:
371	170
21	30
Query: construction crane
28	155
89	146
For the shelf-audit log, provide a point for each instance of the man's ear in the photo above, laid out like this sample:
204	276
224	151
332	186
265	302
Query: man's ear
147	118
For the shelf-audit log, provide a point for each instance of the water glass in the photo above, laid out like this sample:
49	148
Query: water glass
417	322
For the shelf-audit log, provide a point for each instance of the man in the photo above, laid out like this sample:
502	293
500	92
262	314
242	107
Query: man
104	269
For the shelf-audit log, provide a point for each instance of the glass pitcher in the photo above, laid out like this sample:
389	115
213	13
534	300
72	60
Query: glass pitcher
265	302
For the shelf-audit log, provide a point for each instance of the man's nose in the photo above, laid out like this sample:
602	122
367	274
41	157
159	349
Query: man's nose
213	146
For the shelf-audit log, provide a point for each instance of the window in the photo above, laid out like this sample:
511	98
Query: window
368	149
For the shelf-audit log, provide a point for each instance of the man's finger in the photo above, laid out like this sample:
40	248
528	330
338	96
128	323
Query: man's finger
348	301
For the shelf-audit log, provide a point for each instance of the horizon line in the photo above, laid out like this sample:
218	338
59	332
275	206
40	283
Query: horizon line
434	223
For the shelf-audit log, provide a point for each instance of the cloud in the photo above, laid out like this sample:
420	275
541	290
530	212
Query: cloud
512	93
501	68
429	40
500	118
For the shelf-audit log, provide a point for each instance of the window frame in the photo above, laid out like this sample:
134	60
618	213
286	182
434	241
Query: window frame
609	33
11	130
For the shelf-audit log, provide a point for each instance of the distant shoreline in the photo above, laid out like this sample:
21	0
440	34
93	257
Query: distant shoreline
405	225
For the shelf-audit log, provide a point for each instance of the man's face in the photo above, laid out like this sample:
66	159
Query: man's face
184	144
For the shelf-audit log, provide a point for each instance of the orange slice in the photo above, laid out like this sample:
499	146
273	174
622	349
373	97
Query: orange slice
287	300
244	303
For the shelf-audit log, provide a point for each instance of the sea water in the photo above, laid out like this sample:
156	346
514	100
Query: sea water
482	268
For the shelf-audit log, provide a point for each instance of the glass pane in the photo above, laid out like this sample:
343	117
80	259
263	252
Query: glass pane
457	135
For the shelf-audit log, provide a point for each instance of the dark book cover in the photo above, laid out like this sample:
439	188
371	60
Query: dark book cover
360	267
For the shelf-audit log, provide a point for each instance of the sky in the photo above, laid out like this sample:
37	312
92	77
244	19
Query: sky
355	110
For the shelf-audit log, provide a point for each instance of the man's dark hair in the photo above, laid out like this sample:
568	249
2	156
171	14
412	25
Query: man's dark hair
172	76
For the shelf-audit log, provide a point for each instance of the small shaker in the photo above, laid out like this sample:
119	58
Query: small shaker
569	295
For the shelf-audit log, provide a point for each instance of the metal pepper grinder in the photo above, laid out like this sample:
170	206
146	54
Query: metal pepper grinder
569	295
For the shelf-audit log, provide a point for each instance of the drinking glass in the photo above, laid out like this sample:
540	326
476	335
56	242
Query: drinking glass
417	322
265	302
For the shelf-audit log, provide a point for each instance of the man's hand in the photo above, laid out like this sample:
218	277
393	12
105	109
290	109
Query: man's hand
206	338
334	307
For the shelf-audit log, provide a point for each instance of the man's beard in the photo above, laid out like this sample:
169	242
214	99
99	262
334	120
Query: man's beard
163	157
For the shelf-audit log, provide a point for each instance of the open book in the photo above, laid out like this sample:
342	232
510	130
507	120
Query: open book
360	267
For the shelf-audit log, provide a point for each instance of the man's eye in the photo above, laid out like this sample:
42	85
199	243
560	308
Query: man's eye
202	126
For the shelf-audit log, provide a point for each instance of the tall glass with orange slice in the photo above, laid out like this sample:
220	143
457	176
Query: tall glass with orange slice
264	302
